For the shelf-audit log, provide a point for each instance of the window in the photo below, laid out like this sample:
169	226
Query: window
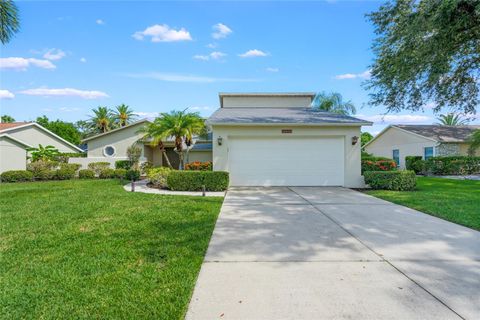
396	156
428	153
109	151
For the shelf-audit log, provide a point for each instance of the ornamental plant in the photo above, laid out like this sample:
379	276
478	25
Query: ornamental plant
199	166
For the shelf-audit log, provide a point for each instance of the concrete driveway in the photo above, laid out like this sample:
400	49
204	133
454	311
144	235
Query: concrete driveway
334	253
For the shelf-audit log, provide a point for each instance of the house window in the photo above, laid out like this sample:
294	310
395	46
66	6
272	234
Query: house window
396	156
109	151
428	153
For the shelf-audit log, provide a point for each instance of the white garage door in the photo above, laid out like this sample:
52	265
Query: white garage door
286	161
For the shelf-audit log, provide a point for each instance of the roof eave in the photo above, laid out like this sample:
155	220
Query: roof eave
328	124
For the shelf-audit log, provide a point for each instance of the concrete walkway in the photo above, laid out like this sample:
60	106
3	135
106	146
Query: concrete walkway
141	186
334	253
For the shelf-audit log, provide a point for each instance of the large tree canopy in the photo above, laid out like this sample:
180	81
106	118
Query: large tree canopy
66	130
427	51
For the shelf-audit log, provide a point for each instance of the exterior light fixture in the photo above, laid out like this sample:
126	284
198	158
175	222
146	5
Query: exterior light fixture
219	140
354	140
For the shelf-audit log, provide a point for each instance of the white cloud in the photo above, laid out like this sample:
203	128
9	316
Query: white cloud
163	33
216	55
65	92
220	31
364	75
272	69
212	45
99	21
5	94
54	54
200	108
176	77
23	64
147	114
397	118
201	57
82	59
253	53
61	109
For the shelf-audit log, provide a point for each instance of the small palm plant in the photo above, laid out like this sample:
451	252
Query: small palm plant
451	119
123	115
333	102
47	153
101	120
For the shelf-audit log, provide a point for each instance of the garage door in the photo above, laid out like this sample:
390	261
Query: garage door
286	161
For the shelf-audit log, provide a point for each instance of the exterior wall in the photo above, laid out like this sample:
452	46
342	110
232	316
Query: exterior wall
266	102
448	149
352	163
408	145
201	156
464	149
12	156
35	136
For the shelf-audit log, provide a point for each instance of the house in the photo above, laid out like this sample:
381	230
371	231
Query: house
112	146
399	141
277	139
16	137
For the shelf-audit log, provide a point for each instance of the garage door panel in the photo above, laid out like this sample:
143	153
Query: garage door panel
293	161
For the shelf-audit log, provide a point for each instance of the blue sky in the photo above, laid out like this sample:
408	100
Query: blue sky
71	57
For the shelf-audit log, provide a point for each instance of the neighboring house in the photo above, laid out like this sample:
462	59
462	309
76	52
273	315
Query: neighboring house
16	137
112	146
399	141
277	139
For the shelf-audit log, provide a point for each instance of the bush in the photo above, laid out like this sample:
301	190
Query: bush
158	176
44	175
378	165
70	166
146	166
64	174
404	180
199	166
98	166
195	180
63	157
414	163
120	173
107	174
455	165
132	175
86	174
42	170
123	164
16	176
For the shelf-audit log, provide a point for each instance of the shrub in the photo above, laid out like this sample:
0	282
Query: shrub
195	180
404	180
16	176
44	175
86	174
455	165
98	166
107	174
42	170
120	173
378	165
199	166
64	156
146	166
132	175
64	174
414	163
158	176
70	166
123	164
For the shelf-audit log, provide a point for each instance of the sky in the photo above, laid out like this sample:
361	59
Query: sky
70	57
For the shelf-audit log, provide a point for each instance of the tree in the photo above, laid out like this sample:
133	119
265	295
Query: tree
451	119
7	119
134	153
123	115
66	130
474	141
101	120
427	51
47	153
9	20
365	138
333	102
85	129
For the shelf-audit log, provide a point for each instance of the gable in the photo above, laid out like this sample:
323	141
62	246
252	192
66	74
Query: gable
395	136
265	100
34	135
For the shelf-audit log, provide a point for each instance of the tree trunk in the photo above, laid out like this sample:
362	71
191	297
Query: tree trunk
164	153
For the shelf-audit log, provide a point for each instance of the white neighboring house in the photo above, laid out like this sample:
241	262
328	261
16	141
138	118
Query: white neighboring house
16	137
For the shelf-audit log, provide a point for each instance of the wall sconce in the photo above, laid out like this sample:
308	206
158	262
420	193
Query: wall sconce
219	140
354	140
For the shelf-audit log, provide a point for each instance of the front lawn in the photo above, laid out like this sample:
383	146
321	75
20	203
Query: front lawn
90	250
453	200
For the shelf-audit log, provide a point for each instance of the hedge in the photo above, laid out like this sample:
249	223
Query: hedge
454	165
378	165
405	180
158	176
86	174
16	176
414	163
199	166
195	180
123	164
107	174
98	166
120	173
64	174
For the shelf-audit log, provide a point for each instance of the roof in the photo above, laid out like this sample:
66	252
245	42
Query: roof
34	124
221	95
7	136
280	116
9	125
115	130
441	133
202	147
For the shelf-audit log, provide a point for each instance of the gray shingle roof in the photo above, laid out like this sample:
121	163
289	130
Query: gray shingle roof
300	116
441	133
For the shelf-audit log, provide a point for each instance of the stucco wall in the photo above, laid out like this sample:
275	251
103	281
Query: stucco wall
463	148
407	144
35	136
353	177
201	156
266	102
12	155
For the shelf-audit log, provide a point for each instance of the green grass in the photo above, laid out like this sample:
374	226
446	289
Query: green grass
90	250
453	200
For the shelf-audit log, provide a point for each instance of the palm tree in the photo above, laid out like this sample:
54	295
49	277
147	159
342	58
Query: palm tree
333	102
123	115
451	119
156	132
9	21
102	119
